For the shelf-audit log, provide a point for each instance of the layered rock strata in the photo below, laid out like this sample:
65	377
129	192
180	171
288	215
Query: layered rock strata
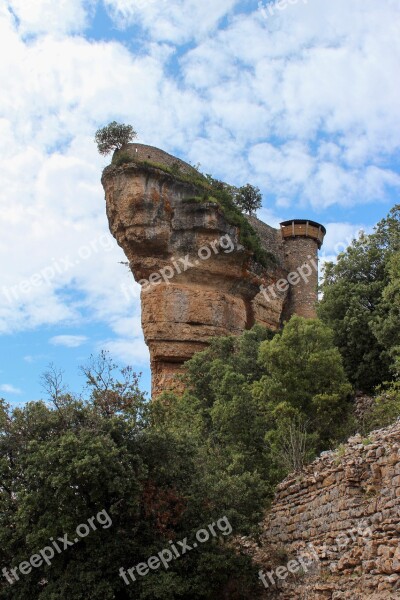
198	281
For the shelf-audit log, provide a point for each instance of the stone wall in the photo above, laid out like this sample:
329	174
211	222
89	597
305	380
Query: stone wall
142	152
334	529
270	238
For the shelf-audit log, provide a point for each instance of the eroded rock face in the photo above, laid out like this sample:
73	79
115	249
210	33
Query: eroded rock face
197	280
341	516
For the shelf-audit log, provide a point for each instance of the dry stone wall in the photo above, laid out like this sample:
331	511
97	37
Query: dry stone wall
333	531
144	153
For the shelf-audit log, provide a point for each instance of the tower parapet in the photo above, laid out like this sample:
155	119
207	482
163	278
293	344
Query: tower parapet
303	228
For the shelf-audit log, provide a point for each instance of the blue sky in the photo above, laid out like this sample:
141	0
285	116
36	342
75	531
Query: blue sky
301	99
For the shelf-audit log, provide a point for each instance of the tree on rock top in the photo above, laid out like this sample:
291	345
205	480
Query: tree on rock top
248	198
113	137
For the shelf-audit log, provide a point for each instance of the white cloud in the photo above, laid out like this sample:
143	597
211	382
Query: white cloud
41	16
32	358
324	98
69	341
268	216
7	388
305	105
128	345
52	198
176	21
132	351
340	235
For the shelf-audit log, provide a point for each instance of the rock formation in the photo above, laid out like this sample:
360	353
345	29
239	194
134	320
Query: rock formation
198	280
334	529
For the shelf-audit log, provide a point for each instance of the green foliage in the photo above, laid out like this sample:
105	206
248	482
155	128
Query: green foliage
175	168
224	195
255	407
60	465
361	303
195	178
386	409
219	410
386	323
366	441
248	198
261	405
305	382
113	137
122	158
291	446
248	237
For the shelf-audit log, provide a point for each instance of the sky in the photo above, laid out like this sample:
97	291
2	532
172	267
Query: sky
300	98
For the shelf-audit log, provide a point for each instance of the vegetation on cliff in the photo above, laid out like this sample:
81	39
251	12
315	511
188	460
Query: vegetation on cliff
232	201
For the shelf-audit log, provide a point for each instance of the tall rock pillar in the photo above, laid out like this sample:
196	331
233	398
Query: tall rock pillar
198	280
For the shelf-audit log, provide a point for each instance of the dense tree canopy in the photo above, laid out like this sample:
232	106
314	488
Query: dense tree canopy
246	393
361	303
304	391
61	465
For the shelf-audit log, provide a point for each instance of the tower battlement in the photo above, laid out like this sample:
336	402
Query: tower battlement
303	228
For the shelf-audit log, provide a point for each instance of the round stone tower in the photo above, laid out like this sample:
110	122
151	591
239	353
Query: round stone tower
301	240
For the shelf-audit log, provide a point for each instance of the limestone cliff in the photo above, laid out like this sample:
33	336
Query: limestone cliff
198	280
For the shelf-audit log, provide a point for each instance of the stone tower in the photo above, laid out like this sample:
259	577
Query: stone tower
198	280
302	240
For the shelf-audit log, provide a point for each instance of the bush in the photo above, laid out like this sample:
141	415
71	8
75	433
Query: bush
386	409
121	158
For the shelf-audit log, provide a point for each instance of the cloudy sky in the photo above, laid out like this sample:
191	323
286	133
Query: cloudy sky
300	98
